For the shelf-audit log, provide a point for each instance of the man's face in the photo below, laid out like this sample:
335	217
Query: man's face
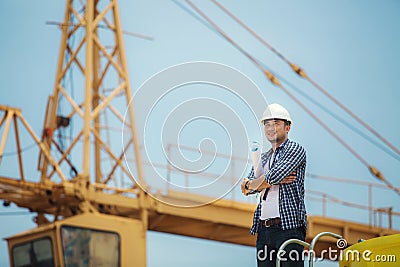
276	130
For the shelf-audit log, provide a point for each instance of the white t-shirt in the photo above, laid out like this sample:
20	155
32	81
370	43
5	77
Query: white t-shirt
270	206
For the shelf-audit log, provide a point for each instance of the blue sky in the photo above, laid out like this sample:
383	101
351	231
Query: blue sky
349	47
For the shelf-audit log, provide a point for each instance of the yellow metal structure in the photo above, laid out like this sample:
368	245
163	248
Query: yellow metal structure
83	193
79	168
82	240
375	252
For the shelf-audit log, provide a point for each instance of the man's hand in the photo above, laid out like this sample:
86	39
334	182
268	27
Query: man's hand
252	185
289	179
243	186
264	185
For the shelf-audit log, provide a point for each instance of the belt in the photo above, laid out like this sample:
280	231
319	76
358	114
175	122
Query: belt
269	222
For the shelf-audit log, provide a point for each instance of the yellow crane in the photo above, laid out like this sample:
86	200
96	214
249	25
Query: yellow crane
85	215
86	201
77	203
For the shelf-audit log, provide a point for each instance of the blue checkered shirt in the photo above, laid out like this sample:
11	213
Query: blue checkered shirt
290	156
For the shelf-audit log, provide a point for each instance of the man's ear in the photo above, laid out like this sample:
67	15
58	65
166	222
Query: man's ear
287	128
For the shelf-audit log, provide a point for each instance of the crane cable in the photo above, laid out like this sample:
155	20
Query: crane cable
338	118
299	71
298	90
191	13
270	76
274	80
17	152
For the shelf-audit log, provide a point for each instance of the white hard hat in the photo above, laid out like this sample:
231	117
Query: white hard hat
275	111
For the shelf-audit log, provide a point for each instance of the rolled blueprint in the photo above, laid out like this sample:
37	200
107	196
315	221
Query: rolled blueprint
255	154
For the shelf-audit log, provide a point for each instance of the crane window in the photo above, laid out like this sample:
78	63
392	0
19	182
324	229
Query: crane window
87	247
36	253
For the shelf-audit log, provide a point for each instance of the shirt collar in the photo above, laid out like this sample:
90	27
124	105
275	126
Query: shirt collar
280	146
270	151
283	144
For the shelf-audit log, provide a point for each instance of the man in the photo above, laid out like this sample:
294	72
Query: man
281	212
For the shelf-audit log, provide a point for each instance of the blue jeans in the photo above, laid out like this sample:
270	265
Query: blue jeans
269	239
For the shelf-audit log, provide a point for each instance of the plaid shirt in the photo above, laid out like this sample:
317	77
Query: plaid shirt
290	157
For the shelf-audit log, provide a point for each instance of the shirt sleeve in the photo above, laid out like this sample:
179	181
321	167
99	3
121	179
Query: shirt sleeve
251	174
293	156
